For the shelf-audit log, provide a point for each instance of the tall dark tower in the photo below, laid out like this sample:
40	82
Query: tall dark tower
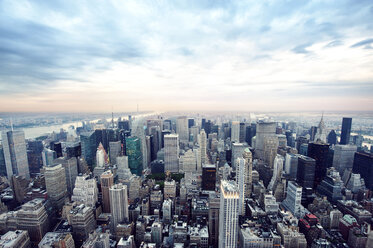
332	138
346	130
320	152
363	165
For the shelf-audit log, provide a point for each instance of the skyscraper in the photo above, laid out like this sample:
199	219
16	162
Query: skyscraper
133	151
363	165
346	130
293	199
228	215
235	131
55	182
107	180
320	152
15	153
202	144
332	138
263	131
321	131
88	143
115	149
248	156
35	160
306	171
343	157
182	129
242	134
241	183
171	152
118	203
208	177
85	191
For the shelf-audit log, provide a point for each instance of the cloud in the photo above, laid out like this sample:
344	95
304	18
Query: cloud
366	43
302	49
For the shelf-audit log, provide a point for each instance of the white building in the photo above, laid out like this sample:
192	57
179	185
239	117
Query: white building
118	203
188	162
167	211
241	183
235	131
293	199
182	129
228	215
237	151
123	171
55	182
171	152
85	191
278	166
203	146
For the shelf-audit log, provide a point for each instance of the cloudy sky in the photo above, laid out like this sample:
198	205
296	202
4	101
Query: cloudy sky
186	55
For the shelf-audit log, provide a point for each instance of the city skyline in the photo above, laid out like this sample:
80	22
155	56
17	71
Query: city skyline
186	56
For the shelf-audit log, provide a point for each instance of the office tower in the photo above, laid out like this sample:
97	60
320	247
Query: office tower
331	186
235	131
194	131
33	217
300	140
123	170
188	161
171	152
306	171
107	180
48	157
319	152
2	162
17	238
247	155
124	125
55	182
290	141
157	231
293	199
270	150
169	189
74	150
241	176
101	156
15	153
85	191
332	138
190	122
291	165
167	211
313	132
57	147
164	133
346	130
203	146
82	220
242	132
237	151
57	240
228	214
278	166
203	123
133	151
182	129
214	205
71	169
363	165
115	149
89	148
321	131
34	157
263	131
343	157
157	140
118	203
248	136
208	177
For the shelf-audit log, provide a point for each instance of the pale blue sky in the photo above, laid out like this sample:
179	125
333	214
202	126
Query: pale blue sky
186	55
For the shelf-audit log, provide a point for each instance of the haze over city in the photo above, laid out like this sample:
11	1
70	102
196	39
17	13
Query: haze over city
95	56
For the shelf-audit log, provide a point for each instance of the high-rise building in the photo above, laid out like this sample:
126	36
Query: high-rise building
270	149
107	180
167	211
332	137
321	131
35	159
33	217
15	153
190	122
115	149
123	170
88	143
363	165
228	214
241	177
171	152
214	205
71	170
82	220
242	132
17	238
346	130
48	156
306	171
208	177
57	240
343	157
319	152
133	151
293	199
237	151
291	165
182	129
85	191
331	186
203	146
55	182
118	203
101	156
2	162
263	131
235	131
188	161
247	155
